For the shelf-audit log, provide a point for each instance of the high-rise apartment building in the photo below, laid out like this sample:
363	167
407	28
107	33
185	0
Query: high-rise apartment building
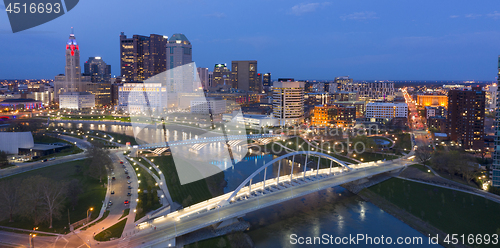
288	102
495	172
245	75
466	117
221	75
72	80
142	57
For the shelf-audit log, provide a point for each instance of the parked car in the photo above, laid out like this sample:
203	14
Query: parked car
110	203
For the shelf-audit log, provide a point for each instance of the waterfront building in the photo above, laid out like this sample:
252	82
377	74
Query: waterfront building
76	100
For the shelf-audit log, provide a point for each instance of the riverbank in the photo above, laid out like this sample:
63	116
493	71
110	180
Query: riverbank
402	215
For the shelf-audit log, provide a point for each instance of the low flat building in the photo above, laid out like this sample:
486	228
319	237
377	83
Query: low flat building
20	104
76	100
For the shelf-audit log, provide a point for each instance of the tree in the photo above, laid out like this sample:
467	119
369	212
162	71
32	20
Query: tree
53	196
9	197
74	190
423	153
3	159
31	200
99	161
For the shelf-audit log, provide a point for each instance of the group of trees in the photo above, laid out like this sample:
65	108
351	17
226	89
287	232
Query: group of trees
4	161
41	199
36	198
455	163
99	161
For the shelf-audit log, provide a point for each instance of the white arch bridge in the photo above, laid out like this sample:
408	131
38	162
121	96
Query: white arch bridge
314	175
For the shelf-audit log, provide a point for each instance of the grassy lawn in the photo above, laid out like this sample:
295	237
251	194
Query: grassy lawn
370	156
147	165
121	137
187	194
403	141
92	196
421	167
448	210
115	231
125	212
95	118
147	201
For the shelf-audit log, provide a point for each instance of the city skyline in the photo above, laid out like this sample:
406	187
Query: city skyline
367	41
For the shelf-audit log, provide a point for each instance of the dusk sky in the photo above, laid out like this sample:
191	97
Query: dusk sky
365	39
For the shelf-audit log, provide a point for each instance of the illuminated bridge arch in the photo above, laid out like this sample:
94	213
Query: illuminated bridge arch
264	168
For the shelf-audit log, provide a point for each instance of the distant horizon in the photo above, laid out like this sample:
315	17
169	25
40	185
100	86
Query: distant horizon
295	38
328	80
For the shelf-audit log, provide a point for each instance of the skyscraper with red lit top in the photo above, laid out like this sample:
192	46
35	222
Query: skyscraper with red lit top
72	80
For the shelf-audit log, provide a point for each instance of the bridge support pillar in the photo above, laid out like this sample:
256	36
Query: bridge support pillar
227	222
279	166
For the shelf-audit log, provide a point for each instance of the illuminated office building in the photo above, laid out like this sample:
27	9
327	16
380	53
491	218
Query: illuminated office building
245	75
142	57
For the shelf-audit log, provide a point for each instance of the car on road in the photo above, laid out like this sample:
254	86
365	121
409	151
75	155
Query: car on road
112	192
129	187
129	194
128	177
126	202
129	182
121	162
110	203
126	172
44	160
52	158
113	178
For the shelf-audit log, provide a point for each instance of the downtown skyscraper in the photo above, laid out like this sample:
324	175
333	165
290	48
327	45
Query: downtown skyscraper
72	80
142	57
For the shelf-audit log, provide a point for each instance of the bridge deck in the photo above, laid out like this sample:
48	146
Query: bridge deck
181	222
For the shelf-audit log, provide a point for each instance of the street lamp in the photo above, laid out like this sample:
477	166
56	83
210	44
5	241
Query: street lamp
89	210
